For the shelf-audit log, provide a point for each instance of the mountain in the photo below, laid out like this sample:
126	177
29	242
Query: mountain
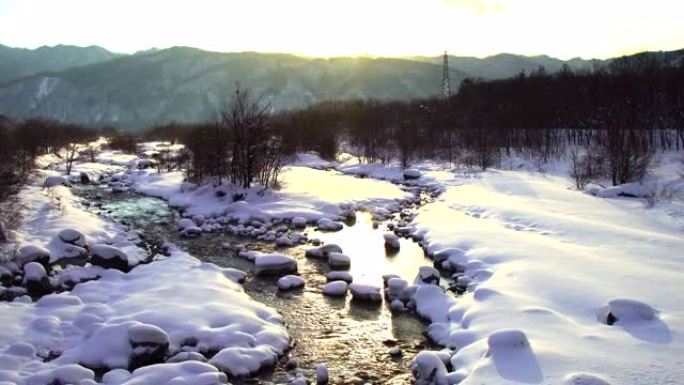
506	65
187	84
16	63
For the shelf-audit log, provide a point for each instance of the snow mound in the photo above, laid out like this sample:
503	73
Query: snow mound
584	379
626	312
183	373
123	321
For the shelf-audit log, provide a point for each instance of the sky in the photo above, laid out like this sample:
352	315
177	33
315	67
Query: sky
325	28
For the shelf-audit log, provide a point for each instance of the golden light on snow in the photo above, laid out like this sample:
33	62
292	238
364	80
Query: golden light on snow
352	27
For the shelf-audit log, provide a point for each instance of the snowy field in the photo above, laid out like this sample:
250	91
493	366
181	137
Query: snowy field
561	286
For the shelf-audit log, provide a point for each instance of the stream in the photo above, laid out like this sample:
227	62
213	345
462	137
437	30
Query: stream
352	339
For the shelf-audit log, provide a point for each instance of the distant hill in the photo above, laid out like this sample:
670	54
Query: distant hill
186	84
16	63
506	65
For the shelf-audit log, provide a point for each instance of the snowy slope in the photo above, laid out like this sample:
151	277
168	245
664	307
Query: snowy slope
547	260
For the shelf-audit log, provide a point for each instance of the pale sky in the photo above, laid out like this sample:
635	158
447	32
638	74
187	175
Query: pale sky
560	28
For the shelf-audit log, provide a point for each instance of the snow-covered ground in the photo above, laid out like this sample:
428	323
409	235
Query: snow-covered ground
561	286
305	192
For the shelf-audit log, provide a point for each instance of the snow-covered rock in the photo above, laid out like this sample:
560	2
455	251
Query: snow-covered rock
284	241
364	292
391	242
56	180
428	368
33	253
339	276
274	264
73	237
335	288
36	279
322	376
242	362
290	282
338	261
191	232
428	274
181	373
327	224
185	223
110	257
299	222
395	288
149	344
411	173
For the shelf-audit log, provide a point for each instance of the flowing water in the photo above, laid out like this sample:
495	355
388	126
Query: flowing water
352	339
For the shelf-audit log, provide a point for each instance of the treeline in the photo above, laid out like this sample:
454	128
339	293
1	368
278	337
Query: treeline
621	114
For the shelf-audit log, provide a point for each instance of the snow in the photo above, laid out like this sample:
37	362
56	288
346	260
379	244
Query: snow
553	260
99	322
297	198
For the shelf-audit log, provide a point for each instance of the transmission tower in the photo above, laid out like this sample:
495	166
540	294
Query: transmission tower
446	88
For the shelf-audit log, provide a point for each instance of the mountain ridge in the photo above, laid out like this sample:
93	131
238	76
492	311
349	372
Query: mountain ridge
187	84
